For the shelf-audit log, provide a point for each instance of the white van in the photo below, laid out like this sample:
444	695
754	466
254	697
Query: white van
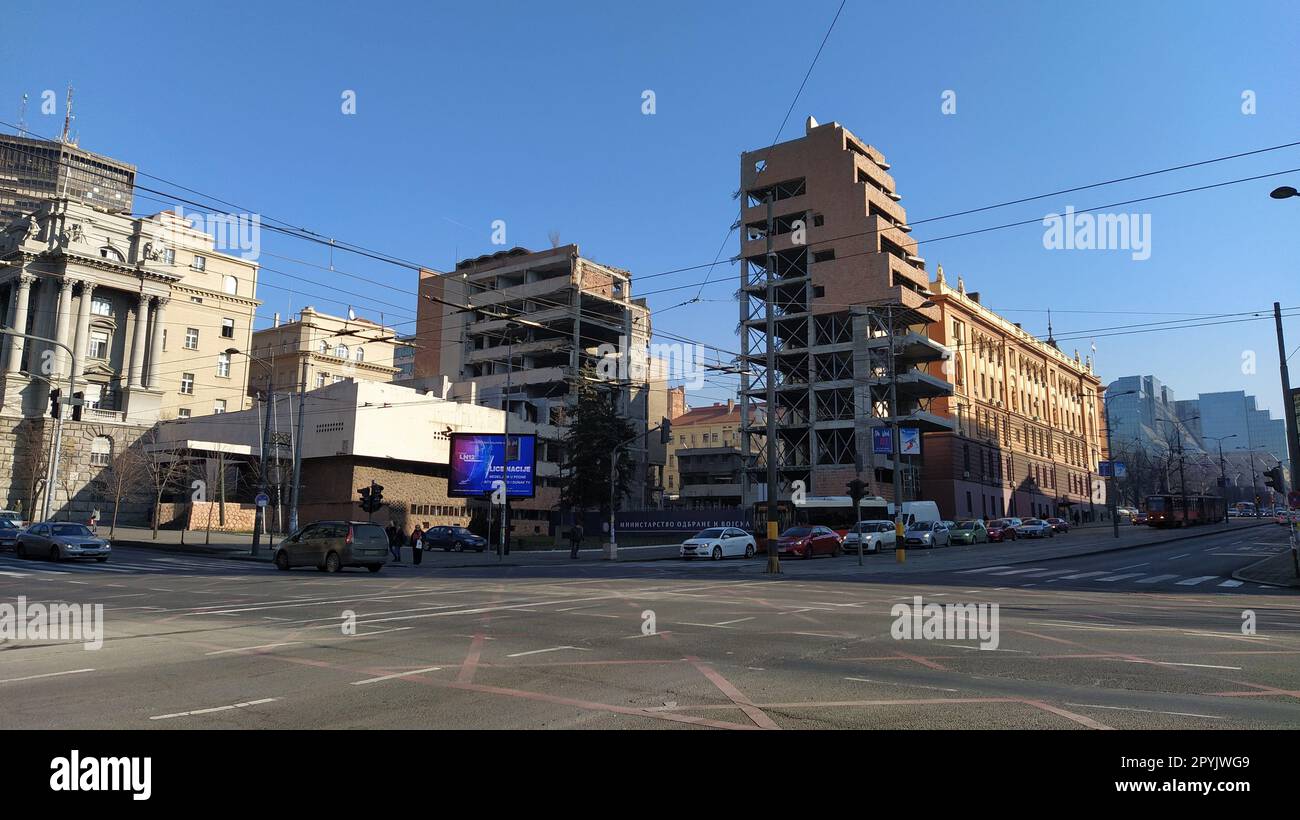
917	511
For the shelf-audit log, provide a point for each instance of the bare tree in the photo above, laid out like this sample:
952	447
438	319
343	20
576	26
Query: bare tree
124	477
31	461
166	467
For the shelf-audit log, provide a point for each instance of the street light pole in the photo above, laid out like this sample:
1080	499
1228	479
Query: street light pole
52	468
1111	501
259	515
1223	472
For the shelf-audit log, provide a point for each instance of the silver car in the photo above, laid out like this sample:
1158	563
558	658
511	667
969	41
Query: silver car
60	541
331	545
9	530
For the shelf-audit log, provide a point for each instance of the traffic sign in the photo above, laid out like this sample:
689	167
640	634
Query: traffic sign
262	499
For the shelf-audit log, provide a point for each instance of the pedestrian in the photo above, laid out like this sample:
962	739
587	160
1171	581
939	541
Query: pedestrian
575	539
417	537
94	521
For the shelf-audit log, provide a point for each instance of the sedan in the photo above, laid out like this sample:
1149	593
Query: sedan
1003	529
9	530
60	541
969	532
718	543
1059	524
809	541
1141	518
926	534
448	539
874	536
1035	528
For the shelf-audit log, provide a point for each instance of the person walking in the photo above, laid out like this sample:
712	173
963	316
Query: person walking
399	538
575	539
417	537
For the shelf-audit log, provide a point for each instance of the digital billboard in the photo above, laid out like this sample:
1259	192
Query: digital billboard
909	441
479	459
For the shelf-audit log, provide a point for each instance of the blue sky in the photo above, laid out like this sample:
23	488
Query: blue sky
531	113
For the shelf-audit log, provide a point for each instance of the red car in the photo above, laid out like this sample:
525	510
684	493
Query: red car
1141	518
807	541
1003	529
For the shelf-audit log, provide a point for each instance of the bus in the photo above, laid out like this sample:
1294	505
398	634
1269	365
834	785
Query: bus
1166	510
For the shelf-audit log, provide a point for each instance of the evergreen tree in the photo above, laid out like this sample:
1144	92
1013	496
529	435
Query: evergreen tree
595	429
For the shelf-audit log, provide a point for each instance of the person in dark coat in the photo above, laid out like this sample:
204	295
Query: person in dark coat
417	545
575	540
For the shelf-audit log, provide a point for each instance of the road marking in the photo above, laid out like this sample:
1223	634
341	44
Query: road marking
1155	579
1110	578
1082	575
552	649
251	648
1176	557
1152	711
1231	584
1199	665
982	569
47	675
17	574
1200	579
1049	572
909	685
737	621
982	649
396	676
1017	571
1133	566
214	709
713	626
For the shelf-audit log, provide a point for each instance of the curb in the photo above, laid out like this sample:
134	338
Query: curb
1240	574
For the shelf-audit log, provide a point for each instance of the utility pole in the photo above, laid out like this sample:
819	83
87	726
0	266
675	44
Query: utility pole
259	521
52	468
1288	403
297	454
773	510
900	552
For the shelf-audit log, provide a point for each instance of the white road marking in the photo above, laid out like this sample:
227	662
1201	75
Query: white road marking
1231	584
1176	557
396	676
982	569
552	649
1200	579
909	685
1152	711
1018	571
214	709
47	675
1049	572
251	648
1110	578
737	621
1082	575
1155	579
713	626
1133	566
982	649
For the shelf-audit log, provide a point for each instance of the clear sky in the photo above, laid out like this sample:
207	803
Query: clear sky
531	113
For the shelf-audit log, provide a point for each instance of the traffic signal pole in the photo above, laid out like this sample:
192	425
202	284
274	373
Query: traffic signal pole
259	518
1288	402
52	468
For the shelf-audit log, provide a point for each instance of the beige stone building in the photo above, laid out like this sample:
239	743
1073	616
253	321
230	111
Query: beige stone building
317	350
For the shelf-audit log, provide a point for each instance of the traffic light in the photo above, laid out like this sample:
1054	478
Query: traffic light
665	431
372	497
55	394
1273	479
78	402
857	489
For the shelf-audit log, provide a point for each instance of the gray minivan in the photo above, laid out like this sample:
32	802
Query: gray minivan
331	545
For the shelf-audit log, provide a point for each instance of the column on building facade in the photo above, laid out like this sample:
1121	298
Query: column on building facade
81	346
139	328
155	340
18	321
62	322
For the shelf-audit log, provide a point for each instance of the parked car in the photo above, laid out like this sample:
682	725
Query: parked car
1283	517
449	539
1003	529
718	543
807	541
9	532
875	536
331	545
926	534
1059	524
15	517
1233	512
1035	528
968	532
1140	518
60	541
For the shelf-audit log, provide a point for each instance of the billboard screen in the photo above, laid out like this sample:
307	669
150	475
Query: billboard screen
478	459
909	441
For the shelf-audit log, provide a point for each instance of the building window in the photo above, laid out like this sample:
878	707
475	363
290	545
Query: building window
169	256
183	413
198	300
324	346
320	379
101	451
101	307
223	365
187	384
341	350
98	344
200	263
227	328
230	285
361	354
219	407
191	338
336	380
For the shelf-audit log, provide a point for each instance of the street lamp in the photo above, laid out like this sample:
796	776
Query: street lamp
1285	192
1110	455
1182	459
259	516
1254	482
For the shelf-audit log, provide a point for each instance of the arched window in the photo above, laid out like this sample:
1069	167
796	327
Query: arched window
230	284
341	351
361	354
324	346
101	451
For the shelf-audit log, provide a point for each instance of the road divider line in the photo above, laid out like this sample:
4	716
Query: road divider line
214	709
252	648
396	676
552	649
47	675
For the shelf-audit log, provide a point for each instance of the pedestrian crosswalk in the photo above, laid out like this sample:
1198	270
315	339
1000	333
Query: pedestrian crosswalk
13	567
1008	573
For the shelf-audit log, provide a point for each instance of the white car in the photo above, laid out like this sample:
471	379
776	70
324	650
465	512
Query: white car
874	535
15	517
718	543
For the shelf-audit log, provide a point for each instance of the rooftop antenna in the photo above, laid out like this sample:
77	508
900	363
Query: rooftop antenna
22	116
67	115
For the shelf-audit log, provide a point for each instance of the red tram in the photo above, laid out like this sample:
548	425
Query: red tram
1167	510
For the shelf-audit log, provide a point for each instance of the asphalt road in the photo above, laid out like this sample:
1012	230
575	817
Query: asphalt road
1148	637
